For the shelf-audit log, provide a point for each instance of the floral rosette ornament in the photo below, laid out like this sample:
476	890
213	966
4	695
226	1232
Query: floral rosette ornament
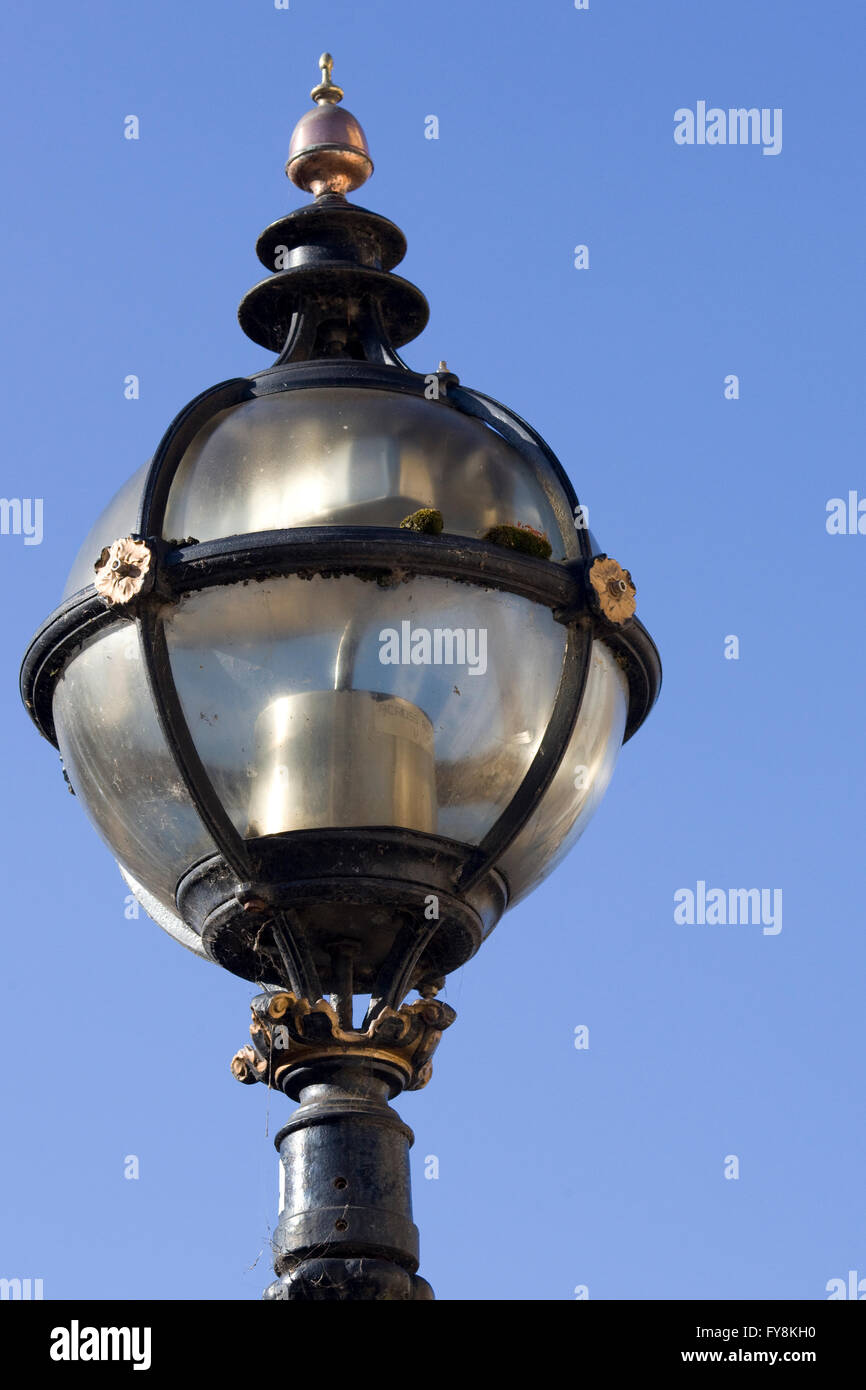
612	589
124	571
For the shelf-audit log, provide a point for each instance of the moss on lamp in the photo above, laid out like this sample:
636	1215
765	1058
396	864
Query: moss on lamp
520	537
426	520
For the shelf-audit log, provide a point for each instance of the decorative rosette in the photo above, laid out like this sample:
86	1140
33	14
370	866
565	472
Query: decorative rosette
124	571
613	588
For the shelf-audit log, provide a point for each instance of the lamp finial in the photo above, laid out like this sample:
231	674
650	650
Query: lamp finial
329	152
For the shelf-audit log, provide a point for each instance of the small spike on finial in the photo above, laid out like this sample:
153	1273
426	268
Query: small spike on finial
328	153
327	92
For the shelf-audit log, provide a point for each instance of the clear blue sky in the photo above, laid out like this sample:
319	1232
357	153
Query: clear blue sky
558	1167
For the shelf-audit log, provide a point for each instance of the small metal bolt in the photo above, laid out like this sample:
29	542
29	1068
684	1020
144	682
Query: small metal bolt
341	1225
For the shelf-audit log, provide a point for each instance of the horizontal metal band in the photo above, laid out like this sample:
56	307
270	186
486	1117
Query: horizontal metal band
370	550
81	617
340	371
638	656
385	868
336	550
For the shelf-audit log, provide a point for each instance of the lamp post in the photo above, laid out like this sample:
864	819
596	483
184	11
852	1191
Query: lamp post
340	676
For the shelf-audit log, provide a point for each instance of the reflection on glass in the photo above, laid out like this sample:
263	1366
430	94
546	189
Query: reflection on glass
351	456
580	781
117	761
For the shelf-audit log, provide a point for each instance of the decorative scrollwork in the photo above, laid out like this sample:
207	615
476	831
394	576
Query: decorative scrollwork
287	1031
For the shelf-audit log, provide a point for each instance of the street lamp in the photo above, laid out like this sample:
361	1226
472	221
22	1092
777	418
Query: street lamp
340	675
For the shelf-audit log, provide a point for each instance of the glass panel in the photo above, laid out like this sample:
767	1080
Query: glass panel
118	763
336	702
117	520
308	709
580	782
159	913
340	456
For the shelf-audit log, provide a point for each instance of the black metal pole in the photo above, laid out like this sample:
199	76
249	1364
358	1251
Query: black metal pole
345	1230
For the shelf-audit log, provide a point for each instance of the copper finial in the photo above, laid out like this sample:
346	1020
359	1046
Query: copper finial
328	153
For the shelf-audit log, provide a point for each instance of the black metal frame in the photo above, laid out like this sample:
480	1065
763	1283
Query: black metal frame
316	881
339	274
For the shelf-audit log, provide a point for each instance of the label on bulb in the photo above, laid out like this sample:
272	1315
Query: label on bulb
392	715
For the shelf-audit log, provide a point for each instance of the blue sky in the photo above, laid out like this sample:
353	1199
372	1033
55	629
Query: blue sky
558	1167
